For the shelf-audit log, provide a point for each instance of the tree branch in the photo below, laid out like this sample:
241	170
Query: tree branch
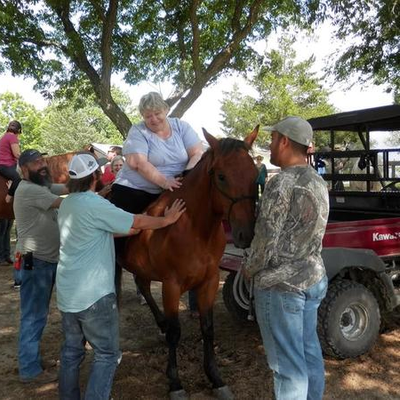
220	60
106	41
99	9
196	38
225	55
236	16
75	49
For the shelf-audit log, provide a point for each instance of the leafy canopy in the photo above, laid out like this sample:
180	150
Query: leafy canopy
283	87
373	30
188	42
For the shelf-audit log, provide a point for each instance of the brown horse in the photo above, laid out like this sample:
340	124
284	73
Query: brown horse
58	168
186	255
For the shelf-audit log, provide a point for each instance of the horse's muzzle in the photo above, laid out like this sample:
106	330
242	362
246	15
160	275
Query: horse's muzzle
242	237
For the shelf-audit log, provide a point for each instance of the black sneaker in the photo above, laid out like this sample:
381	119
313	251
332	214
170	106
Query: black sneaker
16	286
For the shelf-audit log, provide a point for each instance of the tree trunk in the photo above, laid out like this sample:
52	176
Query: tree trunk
114	112
186	101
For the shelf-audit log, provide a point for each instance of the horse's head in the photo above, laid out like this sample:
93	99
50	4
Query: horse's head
233	175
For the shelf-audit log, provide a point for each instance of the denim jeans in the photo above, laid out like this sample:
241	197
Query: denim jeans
99	326
5	231
36	288
288	325
10	172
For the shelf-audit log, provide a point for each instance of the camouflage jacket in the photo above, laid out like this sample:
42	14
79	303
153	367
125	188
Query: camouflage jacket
285	253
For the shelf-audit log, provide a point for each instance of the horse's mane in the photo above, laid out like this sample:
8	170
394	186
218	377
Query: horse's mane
63	155
226	145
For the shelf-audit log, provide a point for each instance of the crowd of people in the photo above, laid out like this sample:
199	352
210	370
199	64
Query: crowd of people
70	242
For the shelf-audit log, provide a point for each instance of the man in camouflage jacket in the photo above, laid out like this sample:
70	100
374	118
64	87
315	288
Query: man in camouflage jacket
286	265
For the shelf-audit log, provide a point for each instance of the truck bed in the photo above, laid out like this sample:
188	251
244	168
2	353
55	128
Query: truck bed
380	235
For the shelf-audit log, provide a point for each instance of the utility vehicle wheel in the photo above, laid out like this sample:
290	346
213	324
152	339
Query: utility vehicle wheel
235	293
348	320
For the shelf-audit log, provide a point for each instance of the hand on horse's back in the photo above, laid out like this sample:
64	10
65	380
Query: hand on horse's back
174	212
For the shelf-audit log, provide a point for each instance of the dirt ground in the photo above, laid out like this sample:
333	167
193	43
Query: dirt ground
239	353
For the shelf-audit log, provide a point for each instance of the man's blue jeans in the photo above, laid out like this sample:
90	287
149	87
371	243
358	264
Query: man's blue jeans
288	325
36	288
100	327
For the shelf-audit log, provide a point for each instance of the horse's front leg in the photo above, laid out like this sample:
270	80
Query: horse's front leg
145	289
171	296
206	294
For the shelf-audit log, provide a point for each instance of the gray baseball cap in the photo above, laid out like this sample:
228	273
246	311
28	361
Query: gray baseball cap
295	128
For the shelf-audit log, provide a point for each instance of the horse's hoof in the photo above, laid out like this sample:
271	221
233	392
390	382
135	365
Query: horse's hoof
223	393
178	395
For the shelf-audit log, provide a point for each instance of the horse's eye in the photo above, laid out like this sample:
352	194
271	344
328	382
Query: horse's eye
221	178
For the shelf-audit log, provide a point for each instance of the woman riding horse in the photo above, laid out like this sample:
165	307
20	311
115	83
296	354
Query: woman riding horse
186	256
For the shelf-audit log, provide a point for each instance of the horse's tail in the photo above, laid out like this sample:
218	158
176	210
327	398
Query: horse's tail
118	282
119	246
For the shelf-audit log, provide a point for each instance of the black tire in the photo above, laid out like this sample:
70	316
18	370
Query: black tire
239	313
348	320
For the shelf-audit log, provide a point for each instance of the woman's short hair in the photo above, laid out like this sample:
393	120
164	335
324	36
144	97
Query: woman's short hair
152	101
15	127
114	160
116	149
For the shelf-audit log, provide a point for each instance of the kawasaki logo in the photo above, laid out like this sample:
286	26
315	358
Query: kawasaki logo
376	237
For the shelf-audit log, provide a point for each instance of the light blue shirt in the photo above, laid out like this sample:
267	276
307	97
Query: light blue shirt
169	155
86	270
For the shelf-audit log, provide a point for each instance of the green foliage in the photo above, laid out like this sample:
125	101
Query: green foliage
66	129
67	124
13	106
189	43
373	30
283	88
70	124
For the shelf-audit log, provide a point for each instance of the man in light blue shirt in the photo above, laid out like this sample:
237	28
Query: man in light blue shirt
85	277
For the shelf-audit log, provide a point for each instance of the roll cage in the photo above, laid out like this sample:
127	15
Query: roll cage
364	183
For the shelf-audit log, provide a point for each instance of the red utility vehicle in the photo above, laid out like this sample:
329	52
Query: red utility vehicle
361	246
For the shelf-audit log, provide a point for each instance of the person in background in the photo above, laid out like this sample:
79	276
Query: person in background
286	266
108	176
116	165
10	152
85	277
156	150
36	201
262	175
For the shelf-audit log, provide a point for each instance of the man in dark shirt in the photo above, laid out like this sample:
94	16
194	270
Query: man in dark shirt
286	265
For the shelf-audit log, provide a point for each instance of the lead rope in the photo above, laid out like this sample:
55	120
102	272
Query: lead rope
250	315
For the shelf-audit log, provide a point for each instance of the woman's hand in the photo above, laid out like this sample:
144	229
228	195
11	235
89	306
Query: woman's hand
105	191
172	183
173	213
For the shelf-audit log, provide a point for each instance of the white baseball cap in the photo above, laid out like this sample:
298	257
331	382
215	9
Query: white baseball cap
295	128
83	165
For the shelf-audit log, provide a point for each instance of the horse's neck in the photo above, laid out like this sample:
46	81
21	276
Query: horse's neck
196	191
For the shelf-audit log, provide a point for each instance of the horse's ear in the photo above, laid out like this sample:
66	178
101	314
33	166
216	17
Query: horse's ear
251	137
212	141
